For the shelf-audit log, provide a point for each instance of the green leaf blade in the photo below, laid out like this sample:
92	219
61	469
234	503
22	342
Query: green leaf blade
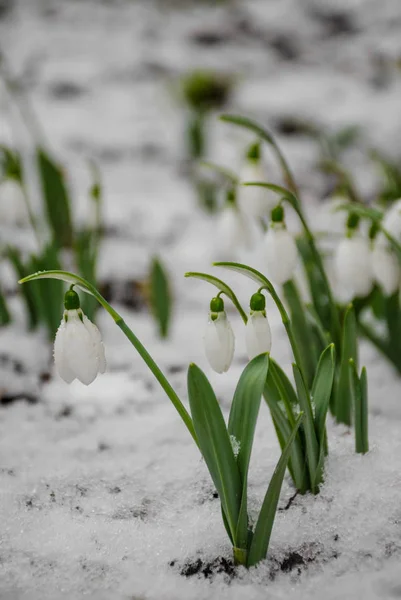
264	525
322	388
241	425
215	445
160	296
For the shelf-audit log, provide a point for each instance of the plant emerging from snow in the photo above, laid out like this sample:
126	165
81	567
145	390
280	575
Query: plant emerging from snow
226	448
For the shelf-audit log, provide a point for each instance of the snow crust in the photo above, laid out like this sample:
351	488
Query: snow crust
102	492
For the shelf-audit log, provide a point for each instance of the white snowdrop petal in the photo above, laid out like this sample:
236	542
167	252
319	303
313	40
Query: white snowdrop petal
386	269
80	351
281	254
232	233
353	266
61	363
392	220
219	343
102	358
97	341
253	200
258	336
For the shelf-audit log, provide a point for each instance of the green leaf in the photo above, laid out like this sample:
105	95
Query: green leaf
51	293
302	331
56	199
349	349
31	294
245	408
321	389
283	426
223	287
359	391
5	317
160	296
264	524
241	424
215	444
312	446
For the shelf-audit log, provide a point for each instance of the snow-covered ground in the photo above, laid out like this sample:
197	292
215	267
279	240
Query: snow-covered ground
102	493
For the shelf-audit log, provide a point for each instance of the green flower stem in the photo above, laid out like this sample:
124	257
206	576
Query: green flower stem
144	354
264	134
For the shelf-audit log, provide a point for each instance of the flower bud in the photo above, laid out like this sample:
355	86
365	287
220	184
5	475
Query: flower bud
219	338
353	267
281	253
386	269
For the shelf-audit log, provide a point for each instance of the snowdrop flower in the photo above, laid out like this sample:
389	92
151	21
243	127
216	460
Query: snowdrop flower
78	348
258	336
253	200
234	229
280	249
392	220
353	264
386	269
13	209
219	338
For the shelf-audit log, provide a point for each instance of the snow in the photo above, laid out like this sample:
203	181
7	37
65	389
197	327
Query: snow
102	492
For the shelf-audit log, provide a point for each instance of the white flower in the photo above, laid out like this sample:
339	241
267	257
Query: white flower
353	267
392	220
386	268
13	209
78	348
254	200
281	253
219	342
234	232
258	336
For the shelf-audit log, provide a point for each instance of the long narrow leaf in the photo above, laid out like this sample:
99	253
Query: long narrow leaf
312	446
160	296
283	427
302	331
241	425
321	389
56	199
343	398
214	443
264	524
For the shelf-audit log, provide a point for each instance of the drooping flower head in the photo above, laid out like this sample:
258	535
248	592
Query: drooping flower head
253	200
234	229
353	263
219	338
78	348
280	249
258	336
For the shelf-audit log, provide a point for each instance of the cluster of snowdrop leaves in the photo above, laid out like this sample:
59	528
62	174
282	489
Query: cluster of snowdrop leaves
226	448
